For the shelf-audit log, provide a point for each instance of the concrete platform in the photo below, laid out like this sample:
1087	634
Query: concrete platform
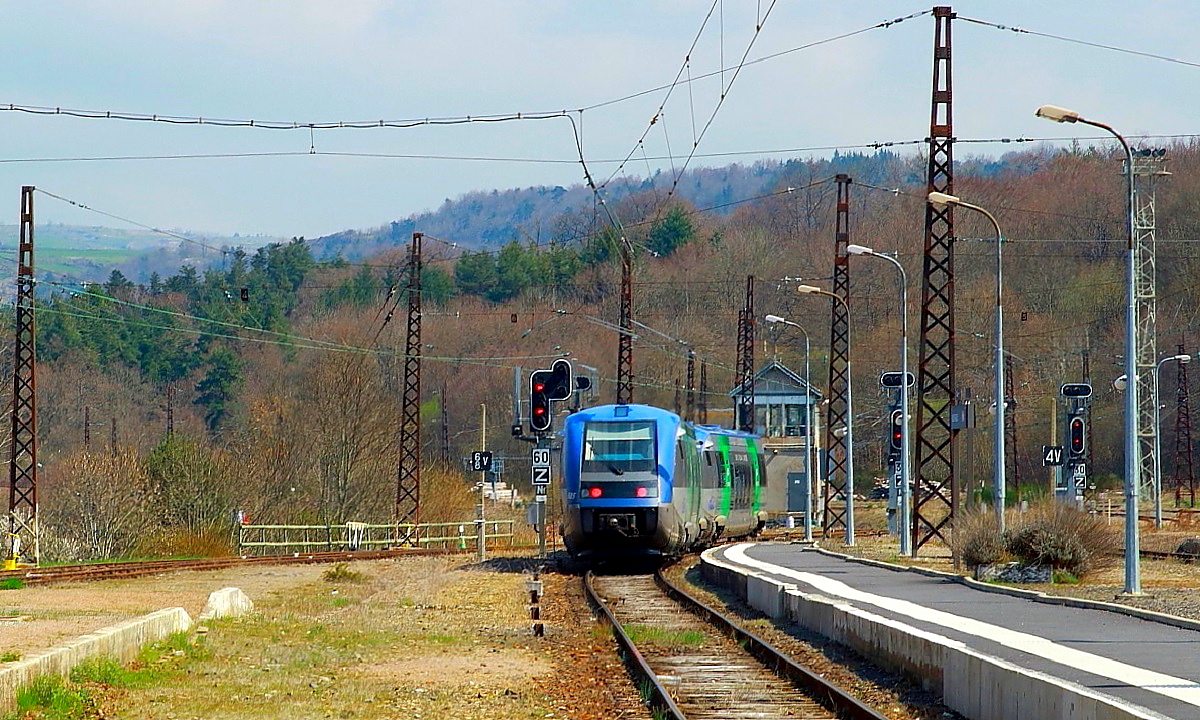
991	655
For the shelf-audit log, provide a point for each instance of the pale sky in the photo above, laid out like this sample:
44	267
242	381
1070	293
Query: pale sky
354	60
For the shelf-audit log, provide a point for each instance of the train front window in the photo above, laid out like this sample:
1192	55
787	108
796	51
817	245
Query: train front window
618	447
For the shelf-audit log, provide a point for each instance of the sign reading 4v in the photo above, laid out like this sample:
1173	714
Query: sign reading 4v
541	466
1052	455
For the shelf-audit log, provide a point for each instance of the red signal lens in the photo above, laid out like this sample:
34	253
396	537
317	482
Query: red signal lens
539	387
594	492
642	492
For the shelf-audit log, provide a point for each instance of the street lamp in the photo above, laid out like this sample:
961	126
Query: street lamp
904	490
998	480
808	431
1182	360
849	432
1133	579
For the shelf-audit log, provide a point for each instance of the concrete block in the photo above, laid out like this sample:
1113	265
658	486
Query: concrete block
766	595
120	642
226	602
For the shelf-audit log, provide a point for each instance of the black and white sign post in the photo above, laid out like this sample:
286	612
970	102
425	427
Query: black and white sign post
540	475
481	462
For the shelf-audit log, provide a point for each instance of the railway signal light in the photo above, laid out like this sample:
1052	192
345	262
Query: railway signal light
1076	390
1076	436
539	400
560	382
896	437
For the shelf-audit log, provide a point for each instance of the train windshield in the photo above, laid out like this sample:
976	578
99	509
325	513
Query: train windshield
618	447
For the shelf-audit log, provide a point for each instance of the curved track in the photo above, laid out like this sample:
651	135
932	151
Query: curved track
698	664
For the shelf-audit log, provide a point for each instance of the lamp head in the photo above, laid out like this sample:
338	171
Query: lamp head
1057	114
774	319
1183	359
808	290
938	198
859	250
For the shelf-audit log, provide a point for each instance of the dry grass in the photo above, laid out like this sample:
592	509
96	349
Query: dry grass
414	638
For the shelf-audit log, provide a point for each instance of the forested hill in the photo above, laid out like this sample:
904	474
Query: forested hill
540	215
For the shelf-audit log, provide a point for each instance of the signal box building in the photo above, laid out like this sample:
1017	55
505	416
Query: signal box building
781	399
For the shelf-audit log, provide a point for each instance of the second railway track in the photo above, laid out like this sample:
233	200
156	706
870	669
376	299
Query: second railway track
699	666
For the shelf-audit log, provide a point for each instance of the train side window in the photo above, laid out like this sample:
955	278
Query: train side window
708	457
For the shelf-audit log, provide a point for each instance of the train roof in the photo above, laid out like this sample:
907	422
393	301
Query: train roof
630	411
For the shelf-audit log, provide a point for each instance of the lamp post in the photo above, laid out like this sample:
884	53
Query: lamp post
808	430
1182	360
905	489
849	433
1133	573
998	479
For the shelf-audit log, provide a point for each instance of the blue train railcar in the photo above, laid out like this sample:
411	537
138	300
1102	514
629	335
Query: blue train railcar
637	480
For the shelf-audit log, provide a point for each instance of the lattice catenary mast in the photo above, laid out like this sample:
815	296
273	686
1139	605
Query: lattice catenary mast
837	481
933	494
408	481
1185	470
745	363
24	540
1147	169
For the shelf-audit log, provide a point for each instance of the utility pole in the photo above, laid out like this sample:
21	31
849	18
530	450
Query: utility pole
24	539
745	361
445	431
1013	470
480	525
1147	169
170	409
408	481
625	331
934	491
1184	467
702	411
690	414
838	483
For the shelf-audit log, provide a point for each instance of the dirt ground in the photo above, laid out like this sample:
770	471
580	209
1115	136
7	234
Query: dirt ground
417	637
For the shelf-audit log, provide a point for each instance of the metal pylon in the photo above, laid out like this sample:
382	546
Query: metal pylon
1012	469
1185	471
24	540
625	333
745	364
1147	169
838	484
934	492
408	483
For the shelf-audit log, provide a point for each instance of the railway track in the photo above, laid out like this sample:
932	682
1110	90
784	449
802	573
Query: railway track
695	663
108	571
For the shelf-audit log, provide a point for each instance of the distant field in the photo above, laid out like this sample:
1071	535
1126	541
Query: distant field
92	253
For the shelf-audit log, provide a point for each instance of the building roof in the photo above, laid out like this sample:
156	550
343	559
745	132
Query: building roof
775	379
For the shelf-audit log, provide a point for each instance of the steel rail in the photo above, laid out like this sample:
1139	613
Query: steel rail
102	571
659	702
832	697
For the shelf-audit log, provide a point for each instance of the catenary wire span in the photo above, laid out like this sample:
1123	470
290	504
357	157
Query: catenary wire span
1077	41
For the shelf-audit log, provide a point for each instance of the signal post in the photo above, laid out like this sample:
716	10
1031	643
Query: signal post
545	387
1072	482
